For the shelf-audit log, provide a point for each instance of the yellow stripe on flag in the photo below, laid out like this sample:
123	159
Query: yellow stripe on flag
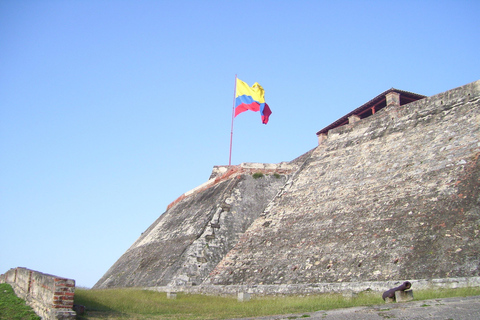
256	91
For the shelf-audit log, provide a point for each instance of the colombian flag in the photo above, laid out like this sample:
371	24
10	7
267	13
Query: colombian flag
251	98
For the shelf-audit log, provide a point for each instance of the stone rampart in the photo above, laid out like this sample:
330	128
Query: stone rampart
51	297
393	196
387	198
192	236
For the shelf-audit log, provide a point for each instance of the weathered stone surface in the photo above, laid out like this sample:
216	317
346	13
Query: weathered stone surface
187	242
403	296
392	197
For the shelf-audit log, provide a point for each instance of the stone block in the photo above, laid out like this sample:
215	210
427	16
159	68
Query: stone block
403	296
353	118
171	295
348	295
243	296
322	137
392	98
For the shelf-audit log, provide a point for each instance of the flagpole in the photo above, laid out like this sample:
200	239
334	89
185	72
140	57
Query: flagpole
233	116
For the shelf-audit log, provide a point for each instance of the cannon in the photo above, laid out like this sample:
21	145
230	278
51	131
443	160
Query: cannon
390	294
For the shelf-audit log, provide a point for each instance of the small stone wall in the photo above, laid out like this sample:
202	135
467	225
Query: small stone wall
51	297
318	288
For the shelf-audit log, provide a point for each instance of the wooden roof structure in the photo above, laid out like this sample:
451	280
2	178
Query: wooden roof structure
372	106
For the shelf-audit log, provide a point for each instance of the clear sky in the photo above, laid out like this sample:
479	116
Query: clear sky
110	110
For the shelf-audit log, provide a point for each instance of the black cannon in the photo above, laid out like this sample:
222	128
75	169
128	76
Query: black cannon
391	293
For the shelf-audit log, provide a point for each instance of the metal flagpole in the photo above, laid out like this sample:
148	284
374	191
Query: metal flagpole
233	115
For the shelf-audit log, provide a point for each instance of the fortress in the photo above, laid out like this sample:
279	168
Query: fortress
391	193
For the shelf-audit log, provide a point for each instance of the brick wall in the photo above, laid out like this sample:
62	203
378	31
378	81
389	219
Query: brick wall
51	297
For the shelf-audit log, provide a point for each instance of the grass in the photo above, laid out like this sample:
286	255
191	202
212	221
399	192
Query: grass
143	304
446	293
257	175
12	307
140	304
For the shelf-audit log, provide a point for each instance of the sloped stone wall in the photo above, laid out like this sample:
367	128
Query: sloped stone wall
393	196
223	173
188	240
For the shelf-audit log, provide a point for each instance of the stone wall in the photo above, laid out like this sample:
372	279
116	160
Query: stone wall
388	198
51	297
393	196
319	288
186	242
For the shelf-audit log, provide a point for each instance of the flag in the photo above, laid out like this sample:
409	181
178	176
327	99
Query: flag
265	112
251	98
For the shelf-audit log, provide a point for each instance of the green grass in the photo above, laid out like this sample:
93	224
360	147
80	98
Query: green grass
12	307
445	293
143	304
257	175
139	304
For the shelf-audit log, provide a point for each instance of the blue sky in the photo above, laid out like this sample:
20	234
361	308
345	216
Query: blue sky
110	110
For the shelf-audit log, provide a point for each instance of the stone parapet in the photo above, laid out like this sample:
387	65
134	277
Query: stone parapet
252	167
222	173
51	297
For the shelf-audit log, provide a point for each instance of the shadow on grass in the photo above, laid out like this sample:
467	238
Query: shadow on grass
94	309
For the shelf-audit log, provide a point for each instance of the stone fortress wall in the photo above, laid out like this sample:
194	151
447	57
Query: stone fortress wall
391	197
187	241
